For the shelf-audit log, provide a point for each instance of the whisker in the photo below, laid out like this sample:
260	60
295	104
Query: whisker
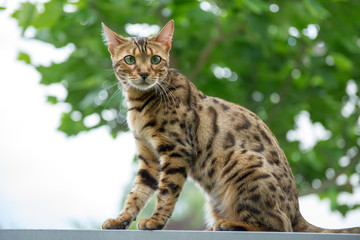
166	95
165	98
113	84
112	96
121	104
161	97
124	123
170	84
174	98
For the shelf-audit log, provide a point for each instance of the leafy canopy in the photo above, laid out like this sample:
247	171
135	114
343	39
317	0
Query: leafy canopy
278	59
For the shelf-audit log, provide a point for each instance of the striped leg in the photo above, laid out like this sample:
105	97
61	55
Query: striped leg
146	182
172	178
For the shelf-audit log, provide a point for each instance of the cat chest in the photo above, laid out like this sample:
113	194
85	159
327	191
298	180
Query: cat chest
136	123
143	126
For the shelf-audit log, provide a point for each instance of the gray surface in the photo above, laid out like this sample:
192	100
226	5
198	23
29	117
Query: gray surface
157	235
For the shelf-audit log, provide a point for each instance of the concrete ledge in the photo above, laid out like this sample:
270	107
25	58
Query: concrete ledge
168	235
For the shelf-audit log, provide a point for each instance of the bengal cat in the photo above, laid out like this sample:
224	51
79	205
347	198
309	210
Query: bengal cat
181	132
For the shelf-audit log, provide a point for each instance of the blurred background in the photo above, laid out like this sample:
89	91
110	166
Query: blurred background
67	159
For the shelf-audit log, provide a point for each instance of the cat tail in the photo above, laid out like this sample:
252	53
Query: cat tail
303	226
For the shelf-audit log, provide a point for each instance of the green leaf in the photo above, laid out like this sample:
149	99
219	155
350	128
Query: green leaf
22	56
343	209
53	11
317	80
71	127
257	6
316	9
342	62
52	99
52	74
25	15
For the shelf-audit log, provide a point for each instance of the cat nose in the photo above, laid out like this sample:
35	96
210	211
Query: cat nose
144	75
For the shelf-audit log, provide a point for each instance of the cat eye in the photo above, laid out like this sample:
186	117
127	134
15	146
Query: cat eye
129	59
155	59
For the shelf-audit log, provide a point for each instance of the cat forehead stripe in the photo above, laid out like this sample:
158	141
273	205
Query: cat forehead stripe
141	43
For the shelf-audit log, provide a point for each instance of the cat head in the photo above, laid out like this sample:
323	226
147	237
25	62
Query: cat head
140	62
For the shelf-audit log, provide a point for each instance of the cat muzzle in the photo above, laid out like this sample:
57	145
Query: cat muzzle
144	75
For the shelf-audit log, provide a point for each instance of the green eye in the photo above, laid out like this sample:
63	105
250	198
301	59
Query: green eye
129	59
155	59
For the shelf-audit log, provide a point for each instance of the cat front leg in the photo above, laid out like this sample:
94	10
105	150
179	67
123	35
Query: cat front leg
173	174
146	182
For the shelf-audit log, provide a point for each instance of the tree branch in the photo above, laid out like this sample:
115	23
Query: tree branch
205	53
325	185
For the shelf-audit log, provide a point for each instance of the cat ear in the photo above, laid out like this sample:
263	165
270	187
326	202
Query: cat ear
166	34
112	39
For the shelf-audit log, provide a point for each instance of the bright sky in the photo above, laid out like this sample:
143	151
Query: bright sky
47	180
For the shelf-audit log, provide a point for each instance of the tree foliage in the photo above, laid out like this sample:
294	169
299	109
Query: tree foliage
277	58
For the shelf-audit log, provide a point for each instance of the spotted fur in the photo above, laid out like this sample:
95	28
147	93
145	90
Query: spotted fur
181	132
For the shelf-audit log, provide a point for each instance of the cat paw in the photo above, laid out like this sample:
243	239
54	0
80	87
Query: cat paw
150	224
220	225
123	222
209	229
225	225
